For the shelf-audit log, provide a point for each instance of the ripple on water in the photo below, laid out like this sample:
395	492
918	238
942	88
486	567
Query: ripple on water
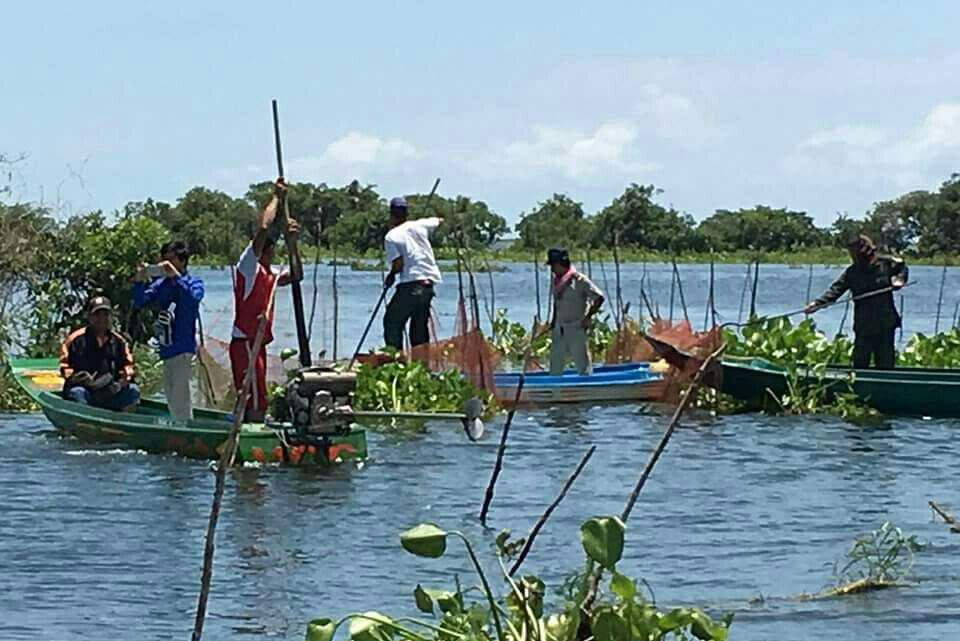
104	541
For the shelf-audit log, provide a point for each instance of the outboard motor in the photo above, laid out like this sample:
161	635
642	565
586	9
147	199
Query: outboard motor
319	402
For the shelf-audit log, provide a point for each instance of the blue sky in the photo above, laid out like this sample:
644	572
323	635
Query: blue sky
819	106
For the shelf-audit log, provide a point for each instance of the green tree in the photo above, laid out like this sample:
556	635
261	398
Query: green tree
558	221
89	257
479	226
212	223
761	228
939	220
640	222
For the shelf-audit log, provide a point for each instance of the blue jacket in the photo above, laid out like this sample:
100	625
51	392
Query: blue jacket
187	292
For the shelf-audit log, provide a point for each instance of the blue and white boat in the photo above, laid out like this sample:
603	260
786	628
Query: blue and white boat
608	383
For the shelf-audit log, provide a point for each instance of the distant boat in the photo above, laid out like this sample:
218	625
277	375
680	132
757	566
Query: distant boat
906	391
608	383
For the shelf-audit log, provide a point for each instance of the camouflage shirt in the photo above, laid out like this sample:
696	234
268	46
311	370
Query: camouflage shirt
875	314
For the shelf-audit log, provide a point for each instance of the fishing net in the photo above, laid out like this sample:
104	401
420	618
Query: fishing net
214	376
466	351
629	345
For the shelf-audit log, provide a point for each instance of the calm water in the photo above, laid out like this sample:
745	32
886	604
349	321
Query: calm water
106	544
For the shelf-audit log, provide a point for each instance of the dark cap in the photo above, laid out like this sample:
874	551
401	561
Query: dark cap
860	243
557	256
399	202
97	303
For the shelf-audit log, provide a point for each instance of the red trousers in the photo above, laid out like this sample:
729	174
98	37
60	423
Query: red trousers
240	353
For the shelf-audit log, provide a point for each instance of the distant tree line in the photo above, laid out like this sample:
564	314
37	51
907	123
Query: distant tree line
920	223
49	266
353	218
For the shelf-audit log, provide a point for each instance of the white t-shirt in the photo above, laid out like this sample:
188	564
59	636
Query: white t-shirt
411	242
247	266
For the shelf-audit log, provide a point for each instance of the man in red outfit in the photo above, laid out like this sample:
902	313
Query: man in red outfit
253	291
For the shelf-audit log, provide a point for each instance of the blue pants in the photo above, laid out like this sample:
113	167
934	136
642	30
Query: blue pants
129	395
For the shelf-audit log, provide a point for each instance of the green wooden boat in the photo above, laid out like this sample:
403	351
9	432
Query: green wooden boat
150	428
903	391
908	391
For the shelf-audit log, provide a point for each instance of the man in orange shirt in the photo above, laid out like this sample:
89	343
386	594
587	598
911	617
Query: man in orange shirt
96	364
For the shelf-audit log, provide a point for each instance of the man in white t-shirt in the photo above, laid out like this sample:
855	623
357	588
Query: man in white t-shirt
409	256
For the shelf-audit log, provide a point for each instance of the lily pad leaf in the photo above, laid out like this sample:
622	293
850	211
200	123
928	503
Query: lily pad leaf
425	540
602	539
320	630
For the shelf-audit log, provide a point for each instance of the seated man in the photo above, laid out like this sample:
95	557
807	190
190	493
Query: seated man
96	364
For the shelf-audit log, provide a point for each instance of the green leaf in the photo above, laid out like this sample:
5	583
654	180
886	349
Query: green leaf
367	627
425	540
703	628
602	539
423	599
320	630
674	619
623	586
608	625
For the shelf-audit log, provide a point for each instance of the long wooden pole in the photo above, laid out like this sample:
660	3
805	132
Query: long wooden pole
296	268
594	582
227	456
943	282
528	543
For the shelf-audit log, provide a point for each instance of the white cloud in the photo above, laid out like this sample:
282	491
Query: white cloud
575	154
355	155
854	136
361	149
916	158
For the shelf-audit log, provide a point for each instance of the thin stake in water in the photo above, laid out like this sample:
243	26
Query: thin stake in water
683	300
743	294
943	282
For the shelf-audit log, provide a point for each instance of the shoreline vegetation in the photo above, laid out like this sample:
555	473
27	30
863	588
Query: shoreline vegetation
499	258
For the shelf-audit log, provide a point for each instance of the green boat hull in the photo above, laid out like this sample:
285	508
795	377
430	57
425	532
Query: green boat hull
907	391
151	429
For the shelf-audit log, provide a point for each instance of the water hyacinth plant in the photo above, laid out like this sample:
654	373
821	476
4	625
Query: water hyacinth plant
412	387
522	613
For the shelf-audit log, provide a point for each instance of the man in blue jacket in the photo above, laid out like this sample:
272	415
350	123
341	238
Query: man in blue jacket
177	295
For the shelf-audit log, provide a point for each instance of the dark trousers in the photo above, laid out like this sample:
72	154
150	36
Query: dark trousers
876	345
411	302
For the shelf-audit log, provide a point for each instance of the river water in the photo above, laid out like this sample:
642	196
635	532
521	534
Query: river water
740	513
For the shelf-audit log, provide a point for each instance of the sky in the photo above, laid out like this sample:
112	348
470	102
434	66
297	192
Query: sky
823	107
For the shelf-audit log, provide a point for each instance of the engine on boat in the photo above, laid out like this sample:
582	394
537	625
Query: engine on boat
318	401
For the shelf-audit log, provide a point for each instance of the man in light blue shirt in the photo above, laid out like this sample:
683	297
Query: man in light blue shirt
176	295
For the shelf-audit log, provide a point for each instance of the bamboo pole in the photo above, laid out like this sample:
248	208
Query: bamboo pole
809	284
536	283
336	306
673	285
753	291
616	265
943	282
528	543
227	457
505	432
594	582
296	267
683	300
743	295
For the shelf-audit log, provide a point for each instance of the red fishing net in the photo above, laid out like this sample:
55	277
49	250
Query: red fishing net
467	351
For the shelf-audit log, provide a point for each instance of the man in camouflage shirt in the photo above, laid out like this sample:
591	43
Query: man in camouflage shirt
875	318
576	300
